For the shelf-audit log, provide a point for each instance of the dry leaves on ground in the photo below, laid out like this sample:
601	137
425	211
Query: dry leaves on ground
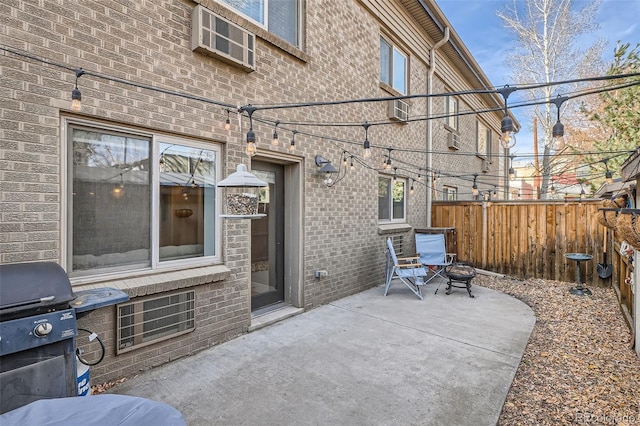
579	366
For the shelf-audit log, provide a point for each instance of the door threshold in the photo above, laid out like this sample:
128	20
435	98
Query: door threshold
272	314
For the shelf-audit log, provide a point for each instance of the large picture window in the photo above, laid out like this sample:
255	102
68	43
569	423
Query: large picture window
391	199
280	17
138	201
393	66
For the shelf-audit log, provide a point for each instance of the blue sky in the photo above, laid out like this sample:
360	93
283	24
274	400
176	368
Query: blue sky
483	33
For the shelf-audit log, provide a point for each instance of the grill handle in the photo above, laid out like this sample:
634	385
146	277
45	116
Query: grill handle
29	302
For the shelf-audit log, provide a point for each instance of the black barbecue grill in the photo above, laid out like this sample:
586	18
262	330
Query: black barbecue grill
38	312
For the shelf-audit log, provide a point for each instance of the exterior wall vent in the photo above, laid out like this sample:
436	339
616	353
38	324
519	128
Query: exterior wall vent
145	321
214	35
398	110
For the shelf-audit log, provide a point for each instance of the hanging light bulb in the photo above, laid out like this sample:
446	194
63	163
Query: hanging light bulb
76	95
275	141
411	187
387	164
559	141
395	174
351	167
227	123
366	145
512	172
508	137
474	188
292	145
558	137
251	143
608	176
553	190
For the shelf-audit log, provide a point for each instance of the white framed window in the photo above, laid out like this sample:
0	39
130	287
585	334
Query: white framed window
392	199
450	193
483	140
280	17
451	111
138	200
393	66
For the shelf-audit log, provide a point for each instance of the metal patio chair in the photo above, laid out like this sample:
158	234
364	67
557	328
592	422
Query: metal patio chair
409	270
433	254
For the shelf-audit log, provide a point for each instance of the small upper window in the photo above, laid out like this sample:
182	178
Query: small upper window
393	66
392	196
483	140
280	17
450	193
451	111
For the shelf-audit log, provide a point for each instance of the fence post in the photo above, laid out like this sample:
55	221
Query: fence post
484	233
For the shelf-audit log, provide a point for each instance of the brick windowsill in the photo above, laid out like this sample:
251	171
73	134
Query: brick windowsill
163	281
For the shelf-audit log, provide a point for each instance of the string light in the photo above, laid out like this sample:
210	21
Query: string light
251	138
387	163
508	138
227	123
275	141
608	176
474	188
558	129
366	145
76	95
411	187
292	145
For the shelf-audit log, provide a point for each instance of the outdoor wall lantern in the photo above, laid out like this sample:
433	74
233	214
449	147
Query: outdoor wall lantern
326	168
241	192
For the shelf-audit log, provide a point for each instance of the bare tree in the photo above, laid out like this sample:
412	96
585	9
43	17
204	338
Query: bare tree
547	49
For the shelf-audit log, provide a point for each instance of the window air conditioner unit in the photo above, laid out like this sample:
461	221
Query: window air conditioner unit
486	165
453	141
398	110
216	36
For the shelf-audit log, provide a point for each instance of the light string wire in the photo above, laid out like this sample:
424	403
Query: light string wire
250	109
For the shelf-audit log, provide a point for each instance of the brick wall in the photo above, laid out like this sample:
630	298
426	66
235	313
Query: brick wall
150	43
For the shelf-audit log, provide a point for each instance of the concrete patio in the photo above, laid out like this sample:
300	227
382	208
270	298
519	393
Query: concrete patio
363	360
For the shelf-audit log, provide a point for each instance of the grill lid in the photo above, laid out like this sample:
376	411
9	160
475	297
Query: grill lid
30	288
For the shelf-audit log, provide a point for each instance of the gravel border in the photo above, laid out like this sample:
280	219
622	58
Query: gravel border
579	366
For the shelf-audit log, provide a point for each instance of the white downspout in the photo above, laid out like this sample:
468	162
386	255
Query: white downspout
428	172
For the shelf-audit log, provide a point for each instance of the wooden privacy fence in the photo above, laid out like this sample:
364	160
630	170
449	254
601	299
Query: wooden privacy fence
526	239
